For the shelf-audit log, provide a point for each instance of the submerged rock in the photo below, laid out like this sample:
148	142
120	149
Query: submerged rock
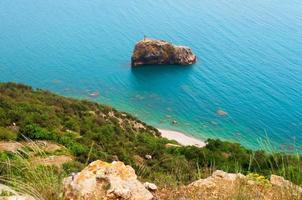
221	113
102	180
94	94
151	51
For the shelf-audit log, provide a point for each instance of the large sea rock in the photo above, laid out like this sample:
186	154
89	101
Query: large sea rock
108	181
154	52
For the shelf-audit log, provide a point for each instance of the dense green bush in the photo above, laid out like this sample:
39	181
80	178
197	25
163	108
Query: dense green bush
7	134
72	167
75	147
72	124
33	131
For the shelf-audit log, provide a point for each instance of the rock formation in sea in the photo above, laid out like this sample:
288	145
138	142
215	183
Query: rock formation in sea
152	51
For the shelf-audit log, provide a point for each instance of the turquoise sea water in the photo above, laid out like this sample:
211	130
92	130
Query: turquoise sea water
250	61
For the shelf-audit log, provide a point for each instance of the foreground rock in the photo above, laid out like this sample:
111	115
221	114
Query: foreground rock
102	180
151	51
222	185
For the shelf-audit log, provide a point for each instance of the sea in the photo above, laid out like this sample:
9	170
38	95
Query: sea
249	62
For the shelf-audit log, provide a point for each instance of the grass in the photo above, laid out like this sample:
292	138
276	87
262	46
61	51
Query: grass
280	163
45	182
41	182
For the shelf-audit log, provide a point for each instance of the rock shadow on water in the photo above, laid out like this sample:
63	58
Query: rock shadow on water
155	71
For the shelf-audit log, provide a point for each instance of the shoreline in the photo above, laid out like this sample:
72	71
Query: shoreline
181	138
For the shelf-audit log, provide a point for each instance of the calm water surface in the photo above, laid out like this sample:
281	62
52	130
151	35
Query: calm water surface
250	61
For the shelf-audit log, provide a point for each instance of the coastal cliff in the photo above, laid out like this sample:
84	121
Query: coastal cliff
45	138
152	51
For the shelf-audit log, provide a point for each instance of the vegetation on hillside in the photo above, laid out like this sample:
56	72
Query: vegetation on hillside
92	131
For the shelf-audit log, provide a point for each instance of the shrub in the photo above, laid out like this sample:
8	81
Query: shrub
33	131
41	182
76	148
7	134
72	124
72	166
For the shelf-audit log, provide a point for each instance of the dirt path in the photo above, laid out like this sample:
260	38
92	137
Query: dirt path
52	160
38	144
10	146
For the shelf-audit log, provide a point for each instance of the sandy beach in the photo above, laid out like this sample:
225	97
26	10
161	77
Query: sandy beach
181	138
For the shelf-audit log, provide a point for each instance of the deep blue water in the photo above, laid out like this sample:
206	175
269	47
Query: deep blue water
250	61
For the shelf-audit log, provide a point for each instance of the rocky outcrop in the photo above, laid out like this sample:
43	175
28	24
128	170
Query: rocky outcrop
217	176
102	180
222	185
280	182
151	51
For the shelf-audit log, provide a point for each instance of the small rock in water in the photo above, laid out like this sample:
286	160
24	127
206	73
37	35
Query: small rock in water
56	81
213	123
169	109
94	94
174	122
237	134
139	97
221	113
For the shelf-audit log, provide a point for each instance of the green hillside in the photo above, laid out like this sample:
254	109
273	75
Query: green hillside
92	131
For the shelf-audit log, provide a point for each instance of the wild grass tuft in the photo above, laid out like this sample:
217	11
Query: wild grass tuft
26	177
